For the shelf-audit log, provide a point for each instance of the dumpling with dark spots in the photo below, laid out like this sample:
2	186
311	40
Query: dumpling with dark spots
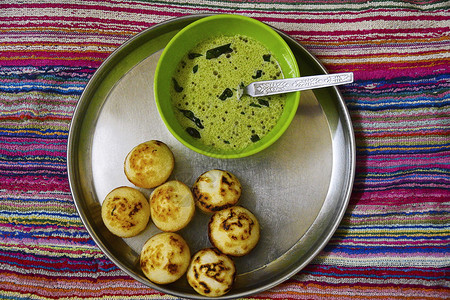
234	231
165	257
125	211
216	190
211	273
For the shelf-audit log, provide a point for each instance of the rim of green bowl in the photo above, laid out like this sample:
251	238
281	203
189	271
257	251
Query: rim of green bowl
269	138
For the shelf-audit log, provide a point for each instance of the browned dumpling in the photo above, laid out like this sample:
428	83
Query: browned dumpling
149	164
172	206
125	211
211	273
234	231
165	257
216	190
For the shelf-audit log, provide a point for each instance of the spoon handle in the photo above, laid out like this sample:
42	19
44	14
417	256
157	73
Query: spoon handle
279	86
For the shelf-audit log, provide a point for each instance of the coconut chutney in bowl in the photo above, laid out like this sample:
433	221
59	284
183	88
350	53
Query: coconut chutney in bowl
198	77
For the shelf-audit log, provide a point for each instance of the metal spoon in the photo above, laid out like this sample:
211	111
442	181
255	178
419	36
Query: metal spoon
279	86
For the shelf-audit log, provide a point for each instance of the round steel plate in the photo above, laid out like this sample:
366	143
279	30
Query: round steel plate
298	188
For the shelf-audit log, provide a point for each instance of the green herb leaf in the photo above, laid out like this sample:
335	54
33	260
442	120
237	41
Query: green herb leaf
255	105
263	102
255	138
195	69
258	74
227	93
194	55
193	132
218	51
176	86
190	115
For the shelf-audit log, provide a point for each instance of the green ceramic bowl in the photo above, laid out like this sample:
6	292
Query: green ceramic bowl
210	27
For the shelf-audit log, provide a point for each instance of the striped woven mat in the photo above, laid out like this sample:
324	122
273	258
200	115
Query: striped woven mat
394	240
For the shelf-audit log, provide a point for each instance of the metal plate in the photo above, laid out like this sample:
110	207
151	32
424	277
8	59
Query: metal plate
298	188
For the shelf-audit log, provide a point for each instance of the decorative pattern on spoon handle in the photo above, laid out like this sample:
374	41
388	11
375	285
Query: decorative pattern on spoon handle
271	87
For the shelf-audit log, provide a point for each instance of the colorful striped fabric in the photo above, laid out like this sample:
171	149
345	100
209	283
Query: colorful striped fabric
394	240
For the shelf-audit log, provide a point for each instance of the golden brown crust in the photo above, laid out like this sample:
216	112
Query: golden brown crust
234	231
211	273
216	190
149	164
172	206
165	257
125	211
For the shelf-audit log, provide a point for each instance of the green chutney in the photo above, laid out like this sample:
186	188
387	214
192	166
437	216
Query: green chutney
205	92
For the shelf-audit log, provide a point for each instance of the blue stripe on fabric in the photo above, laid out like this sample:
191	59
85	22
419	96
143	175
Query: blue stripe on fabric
19	213
95	264
31	133
414	213
367	274
366	250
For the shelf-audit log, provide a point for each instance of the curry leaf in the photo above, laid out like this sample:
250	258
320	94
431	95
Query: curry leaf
227	93
255	138
263	102
193	132
218	51
194	55
190	115
176	86
258	74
